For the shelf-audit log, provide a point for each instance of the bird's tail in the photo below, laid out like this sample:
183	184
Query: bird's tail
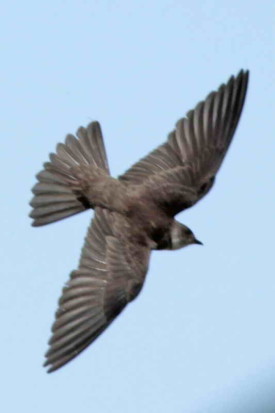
59	191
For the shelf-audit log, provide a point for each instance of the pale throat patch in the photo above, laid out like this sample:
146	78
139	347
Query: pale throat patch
176	241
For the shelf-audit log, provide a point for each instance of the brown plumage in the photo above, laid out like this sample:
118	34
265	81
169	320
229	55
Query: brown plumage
134	214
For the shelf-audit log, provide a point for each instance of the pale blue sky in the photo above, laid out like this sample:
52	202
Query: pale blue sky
201	335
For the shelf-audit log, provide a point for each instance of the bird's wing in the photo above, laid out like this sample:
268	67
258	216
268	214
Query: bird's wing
110	274
183	169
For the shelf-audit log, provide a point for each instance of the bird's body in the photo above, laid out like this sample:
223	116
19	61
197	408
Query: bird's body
134	214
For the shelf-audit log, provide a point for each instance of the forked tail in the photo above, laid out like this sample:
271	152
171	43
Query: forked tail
59	191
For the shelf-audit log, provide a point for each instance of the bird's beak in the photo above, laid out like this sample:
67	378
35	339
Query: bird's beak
198	242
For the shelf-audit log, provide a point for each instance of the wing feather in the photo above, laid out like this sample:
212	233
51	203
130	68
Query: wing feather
106	280
194	150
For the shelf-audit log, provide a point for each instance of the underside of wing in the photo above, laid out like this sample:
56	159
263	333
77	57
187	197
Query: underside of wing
95	294
195	150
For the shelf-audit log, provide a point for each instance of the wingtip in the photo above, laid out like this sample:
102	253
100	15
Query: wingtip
241	74
48	368
48	365
243	78
247	74
244	73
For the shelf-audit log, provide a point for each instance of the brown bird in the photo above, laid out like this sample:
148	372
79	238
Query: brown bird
134	214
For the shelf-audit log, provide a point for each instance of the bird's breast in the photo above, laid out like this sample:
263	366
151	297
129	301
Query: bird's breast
146	217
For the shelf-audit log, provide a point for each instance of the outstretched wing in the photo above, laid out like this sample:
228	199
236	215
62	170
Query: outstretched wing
182	170
108	278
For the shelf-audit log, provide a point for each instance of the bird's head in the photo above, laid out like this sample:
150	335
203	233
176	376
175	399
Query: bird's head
181	236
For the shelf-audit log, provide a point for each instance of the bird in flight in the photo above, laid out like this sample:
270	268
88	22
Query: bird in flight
134	214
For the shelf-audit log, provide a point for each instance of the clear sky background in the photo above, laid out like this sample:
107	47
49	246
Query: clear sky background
201	335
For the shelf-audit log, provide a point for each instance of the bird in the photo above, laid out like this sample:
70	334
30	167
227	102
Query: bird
134	214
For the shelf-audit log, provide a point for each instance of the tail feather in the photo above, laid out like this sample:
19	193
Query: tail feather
92	140
58	193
